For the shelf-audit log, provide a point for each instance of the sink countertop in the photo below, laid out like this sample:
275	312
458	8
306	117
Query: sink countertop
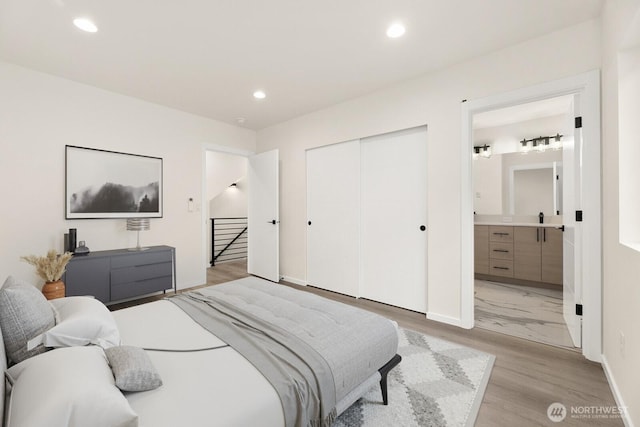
518	224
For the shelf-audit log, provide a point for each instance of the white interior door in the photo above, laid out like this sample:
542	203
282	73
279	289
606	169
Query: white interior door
571	238
263	216
393	213
333	217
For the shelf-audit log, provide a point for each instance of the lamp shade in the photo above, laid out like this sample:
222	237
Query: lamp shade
137	224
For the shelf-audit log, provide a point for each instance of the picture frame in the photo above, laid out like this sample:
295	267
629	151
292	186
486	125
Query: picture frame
109	184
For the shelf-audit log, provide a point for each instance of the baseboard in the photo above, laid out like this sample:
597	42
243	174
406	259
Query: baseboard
616	392
445	319
185	286
294	280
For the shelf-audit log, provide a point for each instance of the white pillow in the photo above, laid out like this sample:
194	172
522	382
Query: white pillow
81	321
67	387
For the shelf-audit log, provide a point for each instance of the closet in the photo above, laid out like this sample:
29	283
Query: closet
366	212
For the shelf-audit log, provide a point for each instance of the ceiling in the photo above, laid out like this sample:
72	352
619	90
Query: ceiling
207	57
558	106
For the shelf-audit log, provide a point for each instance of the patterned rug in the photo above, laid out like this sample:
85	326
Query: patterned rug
438	383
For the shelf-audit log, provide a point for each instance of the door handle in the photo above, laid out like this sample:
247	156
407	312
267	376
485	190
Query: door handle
422	228
309	222
273	221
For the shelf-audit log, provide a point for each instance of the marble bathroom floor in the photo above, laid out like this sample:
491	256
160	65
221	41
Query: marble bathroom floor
522	311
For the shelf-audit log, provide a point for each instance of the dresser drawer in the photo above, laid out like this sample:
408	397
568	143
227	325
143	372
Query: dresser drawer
134	289
500	233
140	258
500	250
141	272
501	267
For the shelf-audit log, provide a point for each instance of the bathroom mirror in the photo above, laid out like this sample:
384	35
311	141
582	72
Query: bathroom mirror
517	184
534	189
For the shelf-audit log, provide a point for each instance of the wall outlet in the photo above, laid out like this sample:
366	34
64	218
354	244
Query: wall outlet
622	344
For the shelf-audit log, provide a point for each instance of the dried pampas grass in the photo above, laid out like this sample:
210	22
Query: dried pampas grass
50	267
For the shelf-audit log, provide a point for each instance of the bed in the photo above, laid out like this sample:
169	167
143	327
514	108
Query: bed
210	378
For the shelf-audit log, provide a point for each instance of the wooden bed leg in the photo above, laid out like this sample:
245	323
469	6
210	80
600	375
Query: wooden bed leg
383	373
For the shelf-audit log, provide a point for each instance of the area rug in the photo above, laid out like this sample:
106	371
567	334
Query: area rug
438	383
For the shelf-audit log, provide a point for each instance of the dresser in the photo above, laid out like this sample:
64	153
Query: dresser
120	274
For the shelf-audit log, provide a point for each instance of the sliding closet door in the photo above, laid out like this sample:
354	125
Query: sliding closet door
394	218
333	214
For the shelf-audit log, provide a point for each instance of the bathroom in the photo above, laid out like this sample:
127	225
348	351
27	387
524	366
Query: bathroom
524	171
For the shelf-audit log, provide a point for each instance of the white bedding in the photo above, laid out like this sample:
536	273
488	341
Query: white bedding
203	388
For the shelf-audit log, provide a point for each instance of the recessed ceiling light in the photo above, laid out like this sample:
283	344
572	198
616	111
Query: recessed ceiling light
396	30
85	25
240	120
259	94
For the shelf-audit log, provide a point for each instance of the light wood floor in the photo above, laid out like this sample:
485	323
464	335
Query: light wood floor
526	378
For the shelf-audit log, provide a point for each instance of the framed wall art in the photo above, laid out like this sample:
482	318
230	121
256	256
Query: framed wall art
108	184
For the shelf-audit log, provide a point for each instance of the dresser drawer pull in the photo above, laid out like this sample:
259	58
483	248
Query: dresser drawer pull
501	268
506	251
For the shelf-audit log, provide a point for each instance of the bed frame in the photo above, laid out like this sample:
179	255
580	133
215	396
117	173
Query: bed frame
384	371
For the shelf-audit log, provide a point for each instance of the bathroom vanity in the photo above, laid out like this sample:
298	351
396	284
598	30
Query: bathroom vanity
528	254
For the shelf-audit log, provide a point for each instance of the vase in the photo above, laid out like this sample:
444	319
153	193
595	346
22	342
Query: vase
53	290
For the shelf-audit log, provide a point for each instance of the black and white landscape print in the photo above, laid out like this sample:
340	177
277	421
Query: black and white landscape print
107	184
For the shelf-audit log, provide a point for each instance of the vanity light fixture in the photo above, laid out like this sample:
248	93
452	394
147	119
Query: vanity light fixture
482	151
85	25
557	143
541	143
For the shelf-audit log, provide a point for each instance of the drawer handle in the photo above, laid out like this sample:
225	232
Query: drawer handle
500	234
501	250
501	268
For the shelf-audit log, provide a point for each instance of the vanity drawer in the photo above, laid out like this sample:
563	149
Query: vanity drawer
500	233
500	250
501	267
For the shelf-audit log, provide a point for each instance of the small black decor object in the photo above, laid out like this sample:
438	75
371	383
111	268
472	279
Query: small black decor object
72	239
66	242
541	217
82	249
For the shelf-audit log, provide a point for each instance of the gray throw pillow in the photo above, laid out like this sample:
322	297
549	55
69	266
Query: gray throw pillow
132	369
24	314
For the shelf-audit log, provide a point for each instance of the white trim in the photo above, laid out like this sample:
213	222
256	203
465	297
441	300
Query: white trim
628	422
203	195
446	319
588	86
294	280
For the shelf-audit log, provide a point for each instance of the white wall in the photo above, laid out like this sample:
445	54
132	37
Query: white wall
621	300
223	169
487	185
433	99
40	113
231	202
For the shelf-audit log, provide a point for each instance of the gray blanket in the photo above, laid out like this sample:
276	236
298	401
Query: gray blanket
312	350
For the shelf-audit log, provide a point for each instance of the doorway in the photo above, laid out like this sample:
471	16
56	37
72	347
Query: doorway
517	183
585	232
226	209
242	188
